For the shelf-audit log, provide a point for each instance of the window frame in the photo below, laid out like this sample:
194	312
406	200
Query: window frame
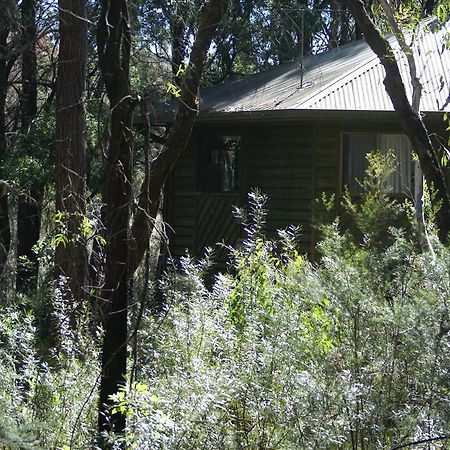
378	134
200	164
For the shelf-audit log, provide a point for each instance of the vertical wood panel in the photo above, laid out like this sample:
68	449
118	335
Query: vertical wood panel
215	222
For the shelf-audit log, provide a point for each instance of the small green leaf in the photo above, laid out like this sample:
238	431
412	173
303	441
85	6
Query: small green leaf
85	227
173	89
141	387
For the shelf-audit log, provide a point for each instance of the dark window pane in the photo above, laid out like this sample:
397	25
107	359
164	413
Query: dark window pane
218	163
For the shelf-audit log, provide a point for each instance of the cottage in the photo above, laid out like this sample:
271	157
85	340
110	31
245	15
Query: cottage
295	131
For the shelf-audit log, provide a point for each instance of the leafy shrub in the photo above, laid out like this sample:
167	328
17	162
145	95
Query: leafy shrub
45	402
349	352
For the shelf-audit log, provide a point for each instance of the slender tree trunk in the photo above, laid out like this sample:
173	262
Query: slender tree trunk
410	120
4	74
28	213
415	103
114	41
178	44
70	166
29	64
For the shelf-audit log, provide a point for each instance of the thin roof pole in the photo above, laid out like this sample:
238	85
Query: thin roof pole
302	43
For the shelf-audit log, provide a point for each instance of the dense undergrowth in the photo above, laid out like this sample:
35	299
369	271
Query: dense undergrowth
351	352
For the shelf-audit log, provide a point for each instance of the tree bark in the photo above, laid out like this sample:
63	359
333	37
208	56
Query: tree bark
70	165
410	120
113	38
5	68
114	42
210	17
415	103
178	44
29	64
28	213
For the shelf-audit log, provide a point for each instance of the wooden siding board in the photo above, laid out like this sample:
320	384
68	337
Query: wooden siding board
214	220
282	167
327	167
280	161
293	164
277	184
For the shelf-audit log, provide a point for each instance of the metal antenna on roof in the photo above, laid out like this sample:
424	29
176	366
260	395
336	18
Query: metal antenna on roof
302	43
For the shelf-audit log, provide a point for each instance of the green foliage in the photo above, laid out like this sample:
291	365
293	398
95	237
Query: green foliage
446	150
148	426
46	399
443	10
372	216
172	89
59	234
280	353
29	161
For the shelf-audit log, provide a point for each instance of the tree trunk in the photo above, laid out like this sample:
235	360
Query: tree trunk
410	120
113	37
28	213
29	64
178	44
4	74
415	103
70	165
121	261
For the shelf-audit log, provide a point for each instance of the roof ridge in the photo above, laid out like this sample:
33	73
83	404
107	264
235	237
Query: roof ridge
294	63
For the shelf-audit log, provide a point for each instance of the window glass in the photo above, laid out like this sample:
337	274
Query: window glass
219	163
400	180
357	145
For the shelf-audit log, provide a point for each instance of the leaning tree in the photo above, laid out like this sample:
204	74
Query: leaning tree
126	245
410	119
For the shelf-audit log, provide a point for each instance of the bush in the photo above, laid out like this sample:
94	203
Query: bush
47	400
349	352
280	353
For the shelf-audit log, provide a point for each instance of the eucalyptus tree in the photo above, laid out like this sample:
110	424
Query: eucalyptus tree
410	119
70	164
256	35
28	209
7	59
125	248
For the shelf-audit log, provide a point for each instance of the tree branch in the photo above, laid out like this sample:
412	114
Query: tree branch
210	16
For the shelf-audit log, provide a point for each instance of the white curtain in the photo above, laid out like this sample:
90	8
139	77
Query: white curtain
356	147
355	161
400	180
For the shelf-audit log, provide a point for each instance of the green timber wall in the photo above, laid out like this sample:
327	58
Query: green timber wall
293	163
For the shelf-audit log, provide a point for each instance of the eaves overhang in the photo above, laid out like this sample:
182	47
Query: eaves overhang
293	115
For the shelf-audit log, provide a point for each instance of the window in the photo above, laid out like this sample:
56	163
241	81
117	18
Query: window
357	145
218	168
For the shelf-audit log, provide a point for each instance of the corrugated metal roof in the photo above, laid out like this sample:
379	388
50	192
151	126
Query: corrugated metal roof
347	78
